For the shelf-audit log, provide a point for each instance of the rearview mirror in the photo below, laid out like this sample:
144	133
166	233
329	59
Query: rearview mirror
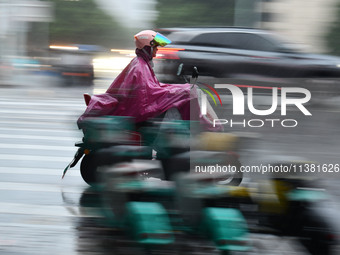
180	69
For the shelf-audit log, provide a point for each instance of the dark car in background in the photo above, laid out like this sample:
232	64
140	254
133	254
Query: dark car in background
231	52
74	63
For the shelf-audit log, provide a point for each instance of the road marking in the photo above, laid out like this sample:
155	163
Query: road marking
39	130
17	157
38	171
41	112
39	102
54	121
50	210
36	147
37	137
22	186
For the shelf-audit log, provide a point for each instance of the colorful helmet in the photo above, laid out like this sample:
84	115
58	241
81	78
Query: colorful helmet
150	38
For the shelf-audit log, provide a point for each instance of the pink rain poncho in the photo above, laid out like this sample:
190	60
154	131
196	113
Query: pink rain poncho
136	92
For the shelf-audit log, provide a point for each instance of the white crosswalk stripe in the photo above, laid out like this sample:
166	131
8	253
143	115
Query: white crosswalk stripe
36	143
38	208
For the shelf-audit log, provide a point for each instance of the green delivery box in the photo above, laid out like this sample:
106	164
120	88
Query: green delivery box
149	223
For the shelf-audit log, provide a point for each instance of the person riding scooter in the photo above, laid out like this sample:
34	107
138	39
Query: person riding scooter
136	91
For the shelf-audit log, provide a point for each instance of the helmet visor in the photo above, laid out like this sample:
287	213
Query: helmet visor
161	40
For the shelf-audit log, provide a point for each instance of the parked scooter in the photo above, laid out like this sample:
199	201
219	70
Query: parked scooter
293	204
160	214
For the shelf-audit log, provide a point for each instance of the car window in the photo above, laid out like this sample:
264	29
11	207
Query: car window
214	39
245	41
254	42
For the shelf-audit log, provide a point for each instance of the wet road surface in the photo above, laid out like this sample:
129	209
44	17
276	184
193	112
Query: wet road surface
40	213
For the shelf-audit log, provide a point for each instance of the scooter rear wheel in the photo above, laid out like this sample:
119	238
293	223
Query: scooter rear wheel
88	169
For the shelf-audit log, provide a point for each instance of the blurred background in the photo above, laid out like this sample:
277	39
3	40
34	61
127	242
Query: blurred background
51	52
29	28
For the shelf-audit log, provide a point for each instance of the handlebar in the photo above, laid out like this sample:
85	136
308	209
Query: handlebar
194	74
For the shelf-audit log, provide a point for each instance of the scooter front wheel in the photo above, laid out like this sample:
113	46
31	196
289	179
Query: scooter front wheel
88	169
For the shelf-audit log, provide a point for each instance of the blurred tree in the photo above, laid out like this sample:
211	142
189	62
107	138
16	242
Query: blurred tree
333	35
195	13
83	22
